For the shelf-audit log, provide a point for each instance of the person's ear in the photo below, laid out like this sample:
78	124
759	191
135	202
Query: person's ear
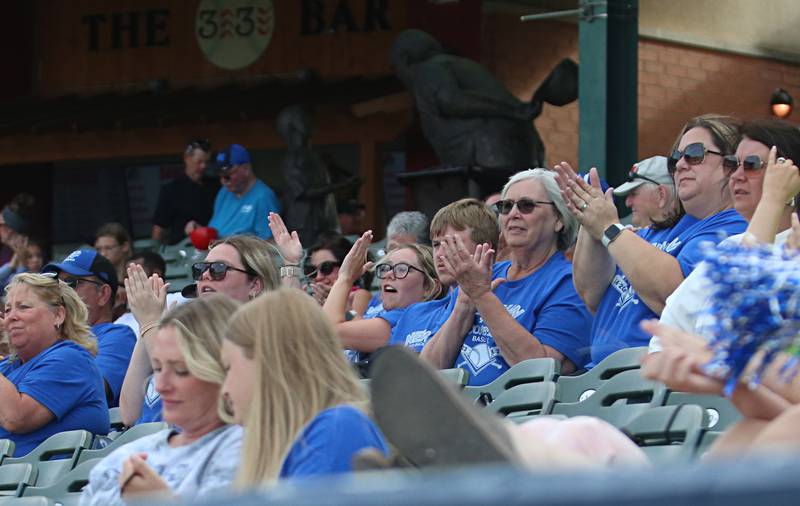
663	196
105	294
256	287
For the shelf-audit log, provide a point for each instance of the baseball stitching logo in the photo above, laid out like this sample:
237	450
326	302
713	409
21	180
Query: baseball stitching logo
233	33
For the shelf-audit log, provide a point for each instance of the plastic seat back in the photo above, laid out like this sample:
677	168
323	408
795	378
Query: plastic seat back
132	434
456	376
68	486
13	477
528	371
7	447
115	419
617	400
668	433
578	388
721	412
56	455
28	501
525	400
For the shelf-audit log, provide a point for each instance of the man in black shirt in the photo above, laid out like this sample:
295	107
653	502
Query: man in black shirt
186	202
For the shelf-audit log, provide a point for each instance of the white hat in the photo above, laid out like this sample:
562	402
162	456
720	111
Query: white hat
651	170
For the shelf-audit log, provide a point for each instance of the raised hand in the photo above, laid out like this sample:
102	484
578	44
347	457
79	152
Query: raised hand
781	179
147	297
288	244
355	263
472	271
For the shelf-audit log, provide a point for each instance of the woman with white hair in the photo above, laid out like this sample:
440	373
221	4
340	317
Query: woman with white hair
521	309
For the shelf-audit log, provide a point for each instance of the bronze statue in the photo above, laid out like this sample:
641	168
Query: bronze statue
308	199
468	116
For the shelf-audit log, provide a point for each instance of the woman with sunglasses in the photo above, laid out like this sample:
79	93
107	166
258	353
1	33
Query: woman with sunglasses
407	275
50	383
289	385
239	266
324	260
200	453
625	277
521	309
764	183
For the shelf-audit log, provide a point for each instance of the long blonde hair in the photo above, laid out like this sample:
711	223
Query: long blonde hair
301	371
200	325
54	293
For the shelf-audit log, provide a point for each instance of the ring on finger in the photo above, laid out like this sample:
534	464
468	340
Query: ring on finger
780	159
584	206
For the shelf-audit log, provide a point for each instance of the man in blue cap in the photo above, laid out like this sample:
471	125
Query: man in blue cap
244	201
94	279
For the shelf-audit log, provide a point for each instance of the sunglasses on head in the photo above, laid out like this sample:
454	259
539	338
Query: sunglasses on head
203	144
400	270
694	154
217	270
750	164
325	268
525	205
633	176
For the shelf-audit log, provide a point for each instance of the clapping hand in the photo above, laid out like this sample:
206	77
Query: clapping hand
289	245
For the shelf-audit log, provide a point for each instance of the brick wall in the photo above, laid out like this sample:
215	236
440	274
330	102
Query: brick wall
675	82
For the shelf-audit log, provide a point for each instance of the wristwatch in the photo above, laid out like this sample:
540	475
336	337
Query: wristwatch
611	233
291	271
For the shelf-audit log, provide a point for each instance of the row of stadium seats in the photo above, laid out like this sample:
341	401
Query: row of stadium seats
59	467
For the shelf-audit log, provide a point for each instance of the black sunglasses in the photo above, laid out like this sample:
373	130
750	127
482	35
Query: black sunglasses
694	154
750	164
203	144
525	205
217	270
325	268
73	282
400	270
633	176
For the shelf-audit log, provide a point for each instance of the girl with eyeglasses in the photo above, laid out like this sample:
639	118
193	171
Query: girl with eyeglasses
407	275
239	266
524	308
625	276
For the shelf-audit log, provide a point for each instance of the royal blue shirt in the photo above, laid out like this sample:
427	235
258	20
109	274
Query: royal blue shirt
329	442
151	404
246	214
616	324
375	306
546	304
421	321
391	317
115	344
63	378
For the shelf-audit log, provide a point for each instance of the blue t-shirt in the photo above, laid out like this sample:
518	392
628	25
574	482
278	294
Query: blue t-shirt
546	304
65	379
391	318
329	442
151	405
115	344
375	306
616	324
246	214
421	321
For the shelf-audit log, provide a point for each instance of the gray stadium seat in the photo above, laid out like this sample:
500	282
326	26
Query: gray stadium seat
27	501
7	447
132	434
14	477
721	412
68	486
527	371
457	376
617	400
668	433
577	388
525	400
115	419
67	444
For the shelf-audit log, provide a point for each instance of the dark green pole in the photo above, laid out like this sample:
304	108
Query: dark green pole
608	39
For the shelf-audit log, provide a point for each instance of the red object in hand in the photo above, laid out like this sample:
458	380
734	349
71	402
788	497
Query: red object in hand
202	236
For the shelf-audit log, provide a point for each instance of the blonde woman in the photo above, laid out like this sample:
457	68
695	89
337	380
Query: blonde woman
203	454
407	274
50	382
292	389
239	266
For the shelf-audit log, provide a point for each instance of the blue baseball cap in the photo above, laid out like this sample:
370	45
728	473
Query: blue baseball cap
87	262
235	154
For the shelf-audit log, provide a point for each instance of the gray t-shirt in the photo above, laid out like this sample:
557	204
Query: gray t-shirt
193	470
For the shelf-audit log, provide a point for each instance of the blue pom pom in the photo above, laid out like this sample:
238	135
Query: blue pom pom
754	307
